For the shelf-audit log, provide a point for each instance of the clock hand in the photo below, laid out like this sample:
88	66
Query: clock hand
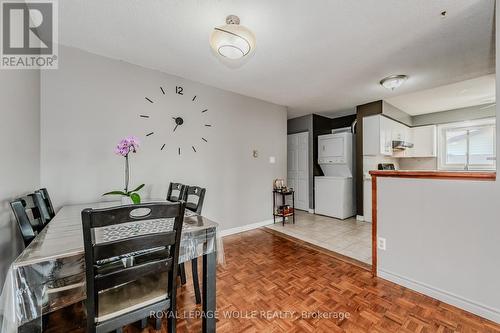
175	127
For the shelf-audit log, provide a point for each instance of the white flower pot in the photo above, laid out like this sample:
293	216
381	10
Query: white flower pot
127	201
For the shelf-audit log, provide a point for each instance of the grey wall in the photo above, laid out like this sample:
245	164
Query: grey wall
462	114
393	112
442	117
91	102
20	164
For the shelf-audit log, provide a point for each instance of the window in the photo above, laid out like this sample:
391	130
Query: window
468	146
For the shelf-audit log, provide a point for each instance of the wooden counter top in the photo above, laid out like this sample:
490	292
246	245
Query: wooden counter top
459	175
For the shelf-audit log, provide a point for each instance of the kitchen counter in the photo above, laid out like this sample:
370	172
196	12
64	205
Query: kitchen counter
430	174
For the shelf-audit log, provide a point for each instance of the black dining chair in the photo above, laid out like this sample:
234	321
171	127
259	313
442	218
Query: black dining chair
41	206
118	295
175	192
30	215
194	197
48	202
25	224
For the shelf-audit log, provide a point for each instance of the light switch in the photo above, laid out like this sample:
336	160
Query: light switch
272	159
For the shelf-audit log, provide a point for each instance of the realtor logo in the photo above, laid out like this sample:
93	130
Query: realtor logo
29	34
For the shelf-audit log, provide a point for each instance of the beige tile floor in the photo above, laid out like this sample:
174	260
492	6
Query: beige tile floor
348	237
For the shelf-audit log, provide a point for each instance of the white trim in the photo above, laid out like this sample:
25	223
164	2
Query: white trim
311	211
442	295
361	218
244	228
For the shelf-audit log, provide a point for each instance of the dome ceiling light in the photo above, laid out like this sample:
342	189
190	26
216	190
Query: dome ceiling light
394	81
232	41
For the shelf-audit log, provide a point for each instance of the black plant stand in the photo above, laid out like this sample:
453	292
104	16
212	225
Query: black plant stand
276	212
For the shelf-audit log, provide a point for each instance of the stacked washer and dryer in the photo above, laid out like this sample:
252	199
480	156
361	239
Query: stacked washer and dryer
335	191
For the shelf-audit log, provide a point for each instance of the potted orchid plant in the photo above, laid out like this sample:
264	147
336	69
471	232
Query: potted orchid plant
124	148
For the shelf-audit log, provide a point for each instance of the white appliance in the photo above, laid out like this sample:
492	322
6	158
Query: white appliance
334	192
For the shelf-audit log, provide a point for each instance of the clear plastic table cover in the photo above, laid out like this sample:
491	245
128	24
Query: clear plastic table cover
50	273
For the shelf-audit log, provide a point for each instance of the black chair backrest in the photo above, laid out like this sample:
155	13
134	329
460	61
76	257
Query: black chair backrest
26	219
41	207
179	190
96	252
194	197
48	202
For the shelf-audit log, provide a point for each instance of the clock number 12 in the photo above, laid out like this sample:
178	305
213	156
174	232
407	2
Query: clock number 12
179	90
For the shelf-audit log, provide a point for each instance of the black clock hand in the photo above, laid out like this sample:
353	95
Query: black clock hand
175	127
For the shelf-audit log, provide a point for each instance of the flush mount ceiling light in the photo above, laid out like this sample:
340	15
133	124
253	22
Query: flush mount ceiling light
394	81
232	41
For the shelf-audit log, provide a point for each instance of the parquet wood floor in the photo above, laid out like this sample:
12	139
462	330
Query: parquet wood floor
265	272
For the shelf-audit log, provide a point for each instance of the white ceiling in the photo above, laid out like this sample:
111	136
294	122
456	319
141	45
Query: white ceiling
311	55
462	94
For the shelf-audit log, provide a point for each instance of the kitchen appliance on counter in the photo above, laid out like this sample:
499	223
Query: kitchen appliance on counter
386	166
334	192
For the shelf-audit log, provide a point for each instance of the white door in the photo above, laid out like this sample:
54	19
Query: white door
298	168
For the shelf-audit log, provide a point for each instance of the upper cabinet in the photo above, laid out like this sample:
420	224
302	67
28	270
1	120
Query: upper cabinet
380	131
377	136
424	141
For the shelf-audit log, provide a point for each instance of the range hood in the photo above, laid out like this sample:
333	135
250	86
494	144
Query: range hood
401	145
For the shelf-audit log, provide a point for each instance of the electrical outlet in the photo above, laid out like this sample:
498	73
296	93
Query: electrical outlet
381	243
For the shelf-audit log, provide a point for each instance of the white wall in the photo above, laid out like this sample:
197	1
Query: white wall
443	237
20	162
91	102
418	163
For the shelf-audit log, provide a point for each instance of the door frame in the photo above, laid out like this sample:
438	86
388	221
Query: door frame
308	171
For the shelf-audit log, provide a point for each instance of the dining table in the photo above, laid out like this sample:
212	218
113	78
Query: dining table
50	273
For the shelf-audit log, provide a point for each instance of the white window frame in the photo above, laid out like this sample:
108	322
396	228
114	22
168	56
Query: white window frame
467	125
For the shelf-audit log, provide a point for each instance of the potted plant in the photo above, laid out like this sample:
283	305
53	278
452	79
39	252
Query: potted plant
124	148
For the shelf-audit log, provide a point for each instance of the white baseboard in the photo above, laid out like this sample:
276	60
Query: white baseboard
244	228
450	298
361	218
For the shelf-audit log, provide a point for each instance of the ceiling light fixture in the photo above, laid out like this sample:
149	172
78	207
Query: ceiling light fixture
394	81
232	41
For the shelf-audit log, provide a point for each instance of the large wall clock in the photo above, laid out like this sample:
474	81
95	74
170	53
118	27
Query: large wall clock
167	122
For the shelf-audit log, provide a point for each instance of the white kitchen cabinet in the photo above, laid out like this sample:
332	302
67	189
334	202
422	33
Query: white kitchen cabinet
377	136
424	141
386	129
400	132
380	131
